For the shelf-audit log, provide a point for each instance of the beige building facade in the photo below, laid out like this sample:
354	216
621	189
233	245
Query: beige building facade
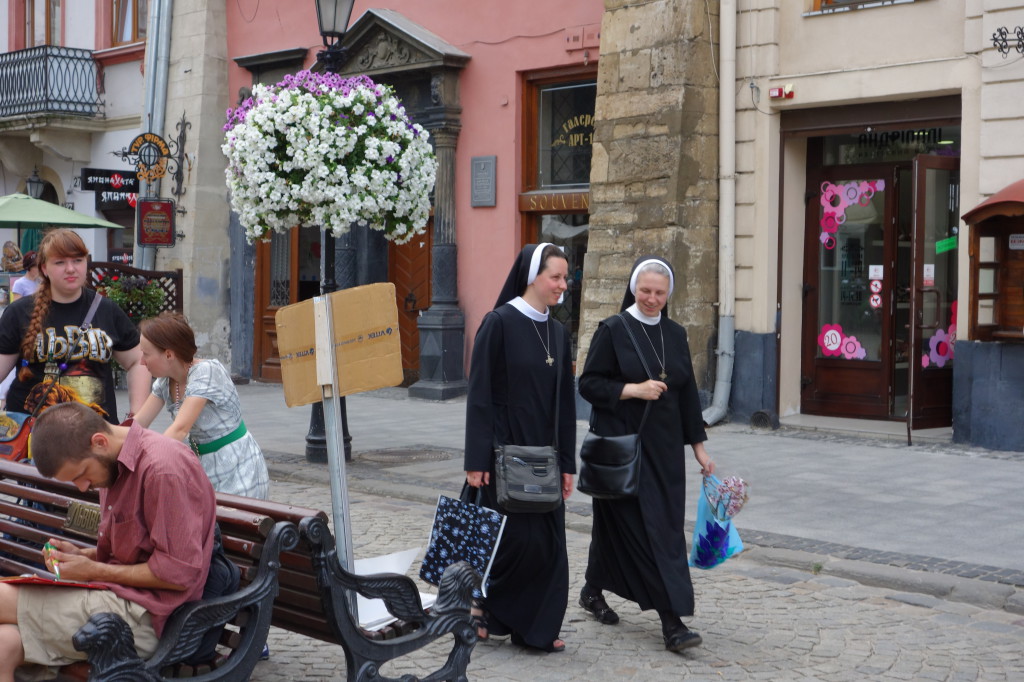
864	131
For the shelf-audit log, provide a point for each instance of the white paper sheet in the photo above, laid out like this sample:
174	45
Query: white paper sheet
373	615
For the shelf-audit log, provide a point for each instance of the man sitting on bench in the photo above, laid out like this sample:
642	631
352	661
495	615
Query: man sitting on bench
153	550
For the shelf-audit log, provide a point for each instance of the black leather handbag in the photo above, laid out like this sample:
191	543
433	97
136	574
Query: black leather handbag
610	467
527	477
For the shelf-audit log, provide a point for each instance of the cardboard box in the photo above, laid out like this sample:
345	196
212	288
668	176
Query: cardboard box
367	347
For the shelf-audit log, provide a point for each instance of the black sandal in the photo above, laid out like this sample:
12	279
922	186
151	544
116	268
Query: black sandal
596	605
680	637
550	648
479	618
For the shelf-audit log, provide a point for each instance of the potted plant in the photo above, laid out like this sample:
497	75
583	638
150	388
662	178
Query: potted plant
318	149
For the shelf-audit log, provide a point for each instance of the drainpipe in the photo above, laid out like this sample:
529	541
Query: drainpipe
158	52
726	213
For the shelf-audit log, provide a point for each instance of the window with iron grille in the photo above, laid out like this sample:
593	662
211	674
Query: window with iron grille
565	134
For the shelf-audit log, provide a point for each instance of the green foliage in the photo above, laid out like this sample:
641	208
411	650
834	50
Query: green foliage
137	296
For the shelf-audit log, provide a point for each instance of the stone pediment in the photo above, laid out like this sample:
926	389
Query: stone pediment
385	41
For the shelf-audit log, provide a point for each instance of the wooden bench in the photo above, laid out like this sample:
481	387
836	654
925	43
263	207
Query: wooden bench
309	595
256	543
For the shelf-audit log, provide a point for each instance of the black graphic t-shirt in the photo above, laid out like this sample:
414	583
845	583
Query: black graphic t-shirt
87	354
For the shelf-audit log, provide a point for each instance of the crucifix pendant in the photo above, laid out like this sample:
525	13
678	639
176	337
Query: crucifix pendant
663	376
550	361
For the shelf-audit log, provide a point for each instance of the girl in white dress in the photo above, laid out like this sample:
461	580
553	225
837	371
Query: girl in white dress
204	405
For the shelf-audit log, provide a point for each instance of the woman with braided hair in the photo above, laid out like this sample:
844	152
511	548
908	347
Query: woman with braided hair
44	335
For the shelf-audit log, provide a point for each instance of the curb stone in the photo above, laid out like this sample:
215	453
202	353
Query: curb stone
975	592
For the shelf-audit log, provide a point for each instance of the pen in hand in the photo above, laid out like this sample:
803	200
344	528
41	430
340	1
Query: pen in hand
56	567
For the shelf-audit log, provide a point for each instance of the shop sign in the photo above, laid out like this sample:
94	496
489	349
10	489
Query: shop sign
100	179
155	222
115	189
555	202
1017	242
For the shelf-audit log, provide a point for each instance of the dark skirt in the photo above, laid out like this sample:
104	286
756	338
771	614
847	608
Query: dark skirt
624	560
529	588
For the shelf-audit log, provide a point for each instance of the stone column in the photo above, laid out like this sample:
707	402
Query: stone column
442	327
654	174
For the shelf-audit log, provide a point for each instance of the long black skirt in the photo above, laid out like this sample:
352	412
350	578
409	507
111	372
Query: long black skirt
529	588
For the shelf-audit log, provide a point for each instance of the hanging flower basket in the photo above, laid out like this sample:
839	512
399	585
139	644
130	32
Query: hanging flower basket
322	150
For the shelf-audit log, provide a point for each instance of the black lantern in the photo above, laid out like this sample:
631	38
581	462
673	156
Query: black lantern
34	185
332	16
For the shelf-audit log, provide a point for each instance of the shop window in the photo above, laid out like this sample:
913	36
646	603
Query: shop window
558	136
997	280
42	22
875	145
828	6
130	18
565	134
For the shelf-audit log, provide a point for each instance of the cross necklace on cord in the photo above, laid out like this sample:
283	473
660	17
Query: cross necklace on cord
547	346
661	358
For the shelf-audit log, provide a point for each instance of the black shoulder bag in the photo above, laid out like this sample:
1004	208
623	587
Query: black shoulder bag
610	468
528	478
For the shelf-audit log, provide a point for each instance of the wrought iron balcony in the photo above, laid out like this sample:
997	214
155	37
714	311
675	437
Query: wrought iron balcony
48	80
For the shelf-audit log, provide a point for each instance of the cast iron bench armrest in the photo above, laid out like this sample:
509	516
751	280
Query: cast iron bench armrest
364	656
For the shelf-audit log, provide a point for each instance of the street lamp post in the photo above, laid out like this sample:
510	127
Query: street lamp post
332	17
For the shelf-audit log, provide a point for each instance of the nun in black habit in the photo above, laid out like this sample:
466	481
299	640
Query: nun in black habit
637	547
517	355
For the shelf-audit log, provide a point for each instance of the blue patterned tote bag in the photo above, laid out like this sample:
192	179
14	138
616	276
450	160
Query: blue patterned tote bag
462	531
715	538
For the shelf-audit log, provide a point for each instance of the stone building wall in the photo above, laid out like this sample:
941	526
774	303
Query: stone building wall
197	85
654	179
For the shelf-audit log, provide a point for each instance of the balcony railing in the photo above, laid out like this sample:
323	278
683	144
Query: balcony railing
48	80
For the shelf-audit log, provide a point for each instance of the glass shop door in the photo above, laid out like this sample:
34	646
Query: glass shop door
847	360
933	303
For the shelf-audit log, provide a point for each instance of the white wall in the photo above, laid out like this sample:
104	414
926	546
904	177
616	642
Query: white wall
80	24
5	10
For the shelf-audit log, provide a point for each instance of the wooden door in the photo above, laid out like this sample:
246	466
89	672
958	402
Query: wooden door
933	311
846	364
287	271
409	268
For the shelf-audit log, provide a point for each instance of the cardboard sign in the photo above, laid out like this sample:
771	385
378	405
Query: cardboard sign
367	347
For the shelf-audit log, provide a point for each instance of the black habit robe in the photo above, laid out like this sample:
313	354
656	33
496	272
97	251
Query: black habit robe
511	399
637	549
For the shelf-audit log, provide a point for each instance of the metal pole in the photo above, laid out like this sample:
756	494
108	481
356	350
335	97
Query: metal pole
327	376
316	438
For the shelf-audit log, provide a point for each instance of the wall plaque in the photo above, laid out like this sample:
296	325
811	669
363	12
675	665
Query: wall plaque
484	191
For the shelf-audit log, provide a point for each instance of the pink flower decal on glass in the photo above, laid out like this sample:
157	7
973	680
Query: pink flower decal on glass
836	198
851	349
830	340
940	350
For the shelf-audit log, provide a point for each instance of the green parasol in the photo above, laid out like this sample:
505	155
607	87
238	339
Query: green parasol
20	211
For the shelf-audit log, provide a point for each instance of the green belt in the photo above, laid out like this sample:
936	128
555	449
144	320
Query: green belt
215	445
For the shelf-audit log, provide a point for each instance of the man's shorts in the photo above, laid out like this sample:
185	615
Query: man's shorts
48	617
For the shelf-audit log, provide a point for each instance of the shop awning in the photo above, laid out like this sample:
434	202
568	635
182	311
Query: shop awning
1008	201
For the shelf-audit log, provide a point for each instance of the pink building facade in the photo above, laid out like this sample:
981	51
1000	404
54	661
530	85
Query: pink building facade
507	91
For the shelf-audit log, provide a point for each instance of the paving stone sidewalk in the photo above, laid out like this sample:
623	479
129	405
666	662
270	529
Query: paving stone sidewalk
759	622
866	559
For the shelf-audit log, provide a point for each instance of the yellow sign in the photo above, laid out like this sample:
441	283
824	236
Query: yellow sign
151	152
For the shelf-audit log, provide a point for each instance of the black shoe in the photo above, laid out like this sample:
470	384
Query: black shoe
681	637
596	605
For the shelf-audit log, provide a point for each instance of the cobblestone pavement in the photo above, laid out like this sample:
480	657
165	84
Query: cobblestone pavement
759	622
866	559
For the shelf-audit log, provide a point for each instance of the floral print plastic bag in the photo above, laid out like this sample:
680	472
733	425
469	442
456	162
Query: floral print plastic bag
462	531
715	537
